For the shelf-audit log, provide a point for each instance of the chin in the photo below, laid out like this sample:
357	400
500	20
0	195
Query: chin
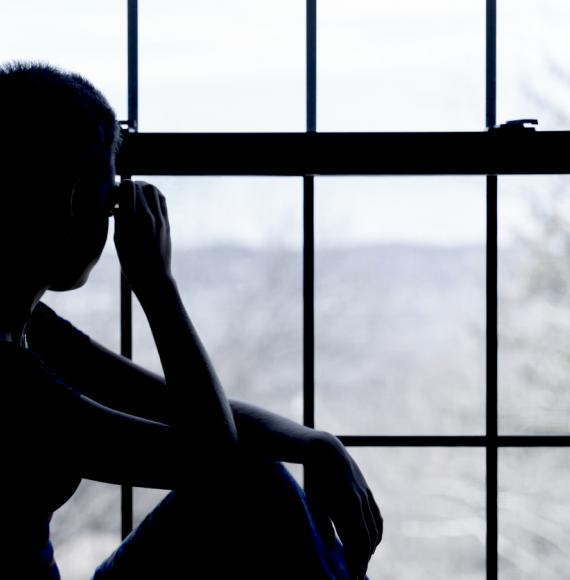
71	283
61	287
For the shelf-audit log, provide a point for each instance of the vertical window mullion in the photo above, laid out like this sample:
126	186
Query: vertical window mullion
491	307
309	229
311	64
308	302
126	295
126	350
491	380
133	63
309	225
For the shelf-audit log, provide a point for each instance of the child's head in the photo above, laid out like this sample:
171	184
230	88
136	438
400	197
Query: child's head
58	139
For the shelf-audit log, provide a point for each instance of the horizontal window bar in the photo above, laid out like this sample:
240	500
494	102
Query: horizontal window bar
502	151
455	440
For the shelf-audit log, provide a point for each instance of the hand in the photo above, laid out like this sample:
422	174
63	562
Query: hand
337	491
142	234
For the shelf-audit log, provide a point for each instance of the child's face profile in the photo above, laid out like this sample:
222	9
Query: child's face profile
94	198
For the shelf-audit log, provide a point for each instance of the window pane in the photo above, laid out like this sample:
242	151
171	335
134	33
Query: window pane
433	504
84	37
534	294
400	293
87	528
144	501
222	66
401	66
534	514
237	260
534	61
95	307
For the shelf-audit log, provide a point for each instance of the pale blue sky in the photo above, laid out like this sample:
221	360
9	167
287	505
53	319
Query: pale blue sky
228	65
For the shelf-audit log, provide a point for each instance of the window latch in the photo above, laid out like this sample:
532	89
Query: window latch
127	126
517	125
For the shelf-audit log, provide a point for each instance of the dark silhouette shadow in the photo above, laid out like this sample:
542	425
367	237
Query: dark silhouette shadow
74	409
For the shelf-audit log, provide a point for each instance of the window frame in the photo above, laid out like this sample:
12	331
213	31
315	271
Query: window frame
510	150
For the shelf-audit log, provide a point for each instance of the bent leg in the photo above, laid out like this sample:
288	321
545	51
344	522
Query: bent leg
256	526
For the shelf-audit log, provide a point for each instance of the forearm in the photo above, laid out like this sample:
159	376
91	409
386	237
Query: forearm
194	390
270	436
120	384
189	372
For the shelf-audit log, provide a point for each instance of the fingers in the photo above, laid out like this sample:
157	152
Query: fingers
125	194
126	204
127	200
377	518
370	526
156	203
142	233
355	538
139	198
360	530
322	521
151	197
163	206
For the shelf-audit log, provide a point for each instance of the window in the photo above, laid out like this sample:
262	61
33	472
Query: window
455	469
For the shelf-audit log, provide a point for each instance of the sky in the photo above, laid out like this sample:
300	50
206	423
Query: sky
228	65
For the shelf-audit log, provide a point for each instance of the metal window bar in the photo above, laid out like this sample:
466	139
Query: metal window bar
491	303
309	227
494	153
126	294
491	153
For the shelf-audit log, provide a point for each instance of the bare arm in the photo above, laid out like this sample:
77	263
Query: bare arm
196	403
118	448
119	383
90	440
142	238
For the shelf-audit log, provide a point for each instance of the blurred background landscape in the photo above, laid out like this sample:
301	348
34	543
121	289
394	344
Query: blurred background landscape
399	350
400	262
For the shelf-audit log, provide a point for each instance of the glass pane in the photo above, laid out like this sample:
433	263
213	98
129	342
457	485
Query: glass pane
237	260
534	294
144	501
401	66
534	61
87	528
89	38
534	514
95	307
433	504
222	66
400	299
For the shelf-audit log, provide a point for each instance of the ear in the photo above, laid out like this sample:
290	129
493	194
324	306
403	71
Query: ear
67	210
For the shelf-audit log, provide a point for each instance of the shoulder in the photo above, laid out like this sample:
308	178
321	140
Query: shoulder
45	324
28	379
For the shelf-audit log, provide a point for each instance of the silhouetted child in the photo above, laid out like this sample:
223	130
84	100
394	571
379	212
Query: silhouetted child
73	409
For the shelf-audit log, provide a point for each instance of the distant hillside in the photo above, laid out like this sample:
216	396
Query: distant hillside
399	330
399	349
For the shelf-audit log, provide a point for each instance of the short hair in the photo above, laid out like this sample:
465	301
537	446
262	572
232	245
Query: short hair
49	117
55	128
